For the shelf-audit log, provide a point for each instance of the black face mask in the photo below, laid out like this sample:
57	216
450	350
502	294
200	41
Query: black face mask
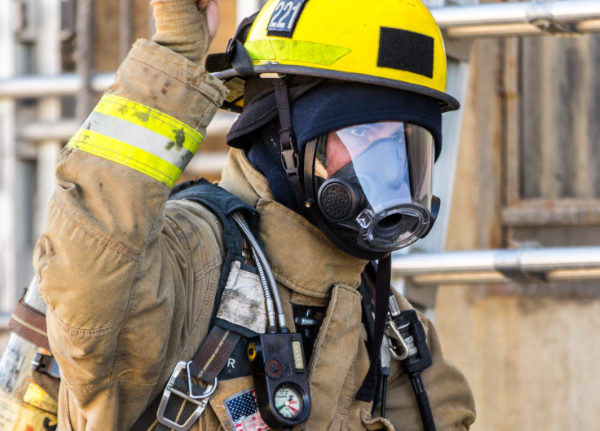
371	186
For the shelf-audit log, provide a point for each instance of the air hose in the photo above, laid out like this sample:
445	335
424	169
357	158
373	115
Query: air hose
408	345
422	401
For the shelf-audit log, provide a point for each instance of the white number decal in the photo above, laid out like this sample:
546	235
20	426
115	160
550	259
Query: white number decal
281	22
285	16
296	9
278	10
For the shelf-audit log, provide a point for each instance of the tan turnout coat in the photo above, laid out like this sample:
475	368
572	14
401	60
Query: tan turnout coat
130	281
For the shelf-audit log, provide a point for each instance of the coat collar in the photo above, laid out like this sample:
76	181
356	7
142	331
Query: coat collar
301	256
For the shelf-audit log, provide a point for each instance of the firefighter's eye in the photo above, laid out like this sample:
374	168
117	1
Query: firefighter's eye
358	131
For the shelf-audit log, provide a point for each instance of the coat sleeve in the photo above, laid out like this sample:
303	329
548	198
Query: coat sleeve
449	392
108	235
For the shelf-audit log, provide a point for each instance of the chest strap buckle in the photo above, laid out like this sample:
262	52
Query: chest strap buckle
170	389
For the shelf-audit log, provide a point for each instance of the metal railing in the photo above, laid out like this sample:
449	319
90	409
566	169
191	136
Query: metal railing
519	18
499	266
69	85
66	84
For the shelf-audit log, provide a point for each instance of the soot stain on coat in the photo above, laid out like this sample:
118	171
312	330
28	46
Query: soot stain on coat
233	300
143	116
179	139
123	110
101	185
166	85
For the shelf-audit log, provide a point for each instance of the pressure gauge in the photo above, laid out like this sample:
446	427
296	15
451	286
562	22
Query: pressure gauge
280	379
288	402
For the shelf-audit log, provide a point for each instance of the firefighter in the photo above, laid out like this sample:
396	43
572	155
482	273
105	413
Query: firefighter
331	160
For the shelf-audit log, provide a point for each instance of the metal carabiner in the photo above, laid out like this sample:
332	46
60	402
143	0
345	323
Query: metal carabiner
160	414
393	334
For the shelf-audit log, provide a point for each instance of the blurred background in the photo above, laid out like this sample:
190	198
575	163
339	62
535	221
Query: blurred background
524	177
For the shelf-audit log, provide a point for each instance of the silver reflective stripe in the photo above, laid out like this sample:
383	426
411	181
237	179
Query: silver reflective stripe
139	137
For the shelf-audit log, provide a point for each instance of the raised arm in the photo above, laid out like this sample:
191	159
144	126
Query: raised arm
104	234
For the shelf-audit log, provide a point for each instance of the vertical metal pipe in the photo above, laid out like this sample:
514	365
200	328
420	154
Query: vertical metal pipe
8	210
8	162
84	45
245	8
151	21
125	27
49	62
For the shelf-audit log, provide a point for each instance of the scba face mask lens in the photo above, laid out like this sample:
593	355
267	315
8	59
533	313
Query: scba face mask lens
372	186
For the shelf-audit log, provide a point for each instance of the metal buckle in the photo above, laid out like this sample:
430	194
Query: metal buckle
207	393
160	414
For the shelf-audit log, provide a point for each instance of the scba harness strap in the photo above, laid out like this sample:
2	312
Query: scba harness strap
182	401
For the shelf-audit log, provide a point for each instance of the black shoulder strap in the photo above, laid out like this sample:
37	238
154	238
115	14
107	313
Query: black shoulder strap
178	400
221	203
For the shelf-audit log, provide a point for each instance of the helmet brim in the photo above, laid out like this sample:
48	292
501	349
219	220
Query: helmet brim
447	102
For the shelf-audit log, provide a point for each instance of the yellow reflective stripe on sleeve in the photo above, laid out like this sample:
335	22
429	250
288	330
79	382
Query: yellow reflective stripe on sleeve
149	118
125	154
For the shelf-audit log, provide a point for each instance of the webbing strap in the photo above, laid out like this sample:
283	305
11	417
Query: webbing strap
206	365
285	118
178	410
382	295
212	356
29	324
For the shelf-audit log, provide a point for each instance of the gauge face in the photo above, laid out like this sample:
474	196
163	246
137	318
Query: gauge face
288	402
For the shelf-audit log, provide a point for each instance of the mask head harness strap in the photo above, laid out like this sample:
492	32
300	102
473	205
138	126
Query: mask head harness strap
290	157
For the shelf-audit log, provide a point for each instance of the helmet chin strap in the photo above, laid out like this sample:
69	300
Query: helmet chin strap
290	157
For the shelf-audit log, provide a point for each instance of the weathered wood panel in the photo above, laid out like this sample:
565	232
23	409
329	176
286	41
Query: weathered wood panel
560	105
106	30
548	212
528	358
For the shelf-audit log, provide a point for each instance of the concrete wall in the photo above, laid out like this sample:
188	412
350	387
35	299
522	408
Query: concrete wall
531	361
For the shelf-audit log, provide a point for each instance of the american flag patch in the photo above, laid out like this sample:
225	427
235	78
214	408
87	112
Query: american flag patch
242	412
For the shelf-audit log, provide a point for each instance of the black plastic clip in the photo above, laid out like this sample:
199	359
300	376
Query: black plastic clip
291	162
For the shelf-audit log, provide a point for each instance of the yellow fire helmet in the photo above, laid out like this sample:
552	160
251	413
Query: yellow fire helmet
392	43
